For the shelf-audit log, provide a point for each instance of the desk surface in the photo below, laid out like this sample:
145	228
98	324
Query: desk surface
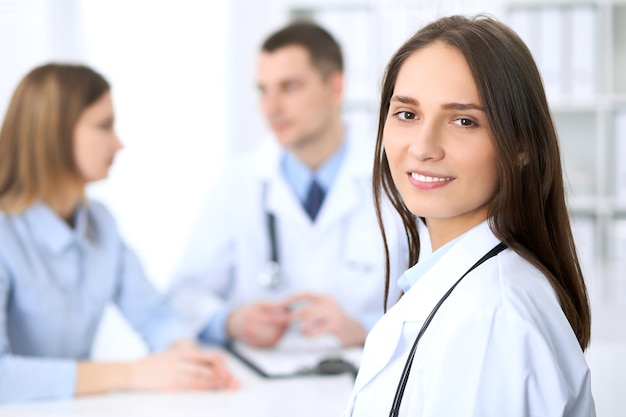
310	396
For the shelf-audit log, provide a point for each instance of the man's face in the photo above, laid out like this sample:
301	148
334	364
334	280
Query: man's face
298	102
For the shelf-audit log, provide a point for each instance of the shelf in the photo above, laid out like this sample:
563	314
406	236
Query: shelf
619	209
562	3
582	206
558	108
618	100
592	206
619	48
324	5
548	3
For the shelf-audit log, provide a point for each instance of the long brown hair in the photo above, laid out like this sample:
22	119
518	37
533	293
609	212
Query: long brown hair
528	213
36	139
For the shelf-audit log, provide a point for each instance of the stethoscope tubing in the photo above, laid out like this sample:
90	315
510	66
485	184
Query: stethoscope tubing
270	278
397	400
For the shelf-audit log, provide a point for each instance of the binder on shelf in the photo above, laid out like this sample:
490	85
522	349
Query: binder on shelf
397	26
550	58
578	149
395	30
583	230
620	157
582	53
523	21
355	39
617	289
619	48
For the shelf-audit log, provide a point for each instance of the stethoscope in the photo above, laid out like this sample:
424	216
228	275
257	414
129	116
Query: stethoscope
397	400
270	277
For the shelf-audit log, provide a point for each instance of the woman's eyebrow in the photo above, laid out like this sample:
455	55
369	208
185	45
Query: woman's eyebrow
445	106
405	100
461	106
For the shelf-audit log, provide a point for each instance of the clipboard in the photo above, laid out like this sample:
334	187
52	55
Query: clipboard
298	356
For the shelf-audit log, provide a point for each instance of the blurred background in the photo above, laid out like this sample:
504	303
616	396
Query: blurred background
183	79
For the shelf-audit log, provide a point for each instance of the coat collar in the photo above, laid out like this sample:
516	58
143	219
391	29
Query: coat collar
417	303
345	194
53	232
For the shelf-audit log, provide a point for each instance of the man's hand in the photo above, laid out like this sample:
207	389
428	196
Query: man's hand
260	324
320	314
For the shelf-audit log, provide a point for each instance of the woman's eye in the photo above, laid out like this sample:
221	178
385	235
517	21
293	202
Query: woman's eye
406	115
464	121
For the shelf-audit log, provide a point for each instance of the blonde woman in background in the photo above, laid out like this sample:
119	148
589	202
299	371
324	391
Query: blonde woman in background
62	259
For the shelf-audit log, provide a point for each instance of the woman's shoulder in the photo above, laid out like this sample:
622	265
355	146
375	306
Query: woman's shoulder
4	219
98	210
7	230
8	224
100	219
513	286
517	277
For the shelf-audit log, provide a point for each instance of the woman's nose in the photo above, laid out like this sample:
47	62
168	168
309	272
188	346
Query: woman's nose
426	142
118	143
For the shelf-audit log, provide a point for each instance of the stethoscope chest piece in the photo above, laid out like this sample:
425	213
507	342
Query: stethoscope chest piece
270	276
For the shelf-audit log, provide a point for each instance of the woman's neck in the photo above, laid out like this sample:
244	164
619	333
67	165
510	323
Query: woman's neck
442	231
65	208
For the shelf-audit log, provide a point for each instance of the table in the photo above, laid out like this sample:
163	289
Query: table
307	396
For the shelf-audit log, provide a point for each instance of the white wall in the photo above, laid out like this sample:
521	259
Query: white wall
167	63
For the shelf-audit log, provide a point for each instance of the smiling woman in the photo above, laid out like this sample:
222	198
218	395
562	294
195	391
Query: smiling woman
467	144
438	142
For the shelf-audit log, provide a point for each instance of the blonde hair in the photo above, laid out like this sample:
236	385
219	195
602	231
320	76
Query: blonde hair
36	138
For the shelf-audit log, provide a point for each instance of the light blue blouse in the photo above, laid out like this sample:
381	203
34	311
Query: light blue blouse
55	283
427	260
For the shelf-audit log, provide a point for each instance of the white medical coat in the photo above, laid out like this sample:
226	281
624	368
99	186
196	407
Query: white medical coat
340	254
499	346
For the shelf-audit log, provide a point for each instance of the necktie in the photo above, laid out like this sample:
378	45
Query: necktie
314	199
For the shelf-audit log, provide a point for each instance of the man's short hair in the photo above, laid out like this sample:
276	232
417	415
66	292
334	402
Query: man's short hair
323	49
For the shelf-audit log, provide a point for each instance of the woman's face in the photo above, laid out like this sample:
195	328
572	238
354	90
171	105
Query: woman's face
95	140
438	141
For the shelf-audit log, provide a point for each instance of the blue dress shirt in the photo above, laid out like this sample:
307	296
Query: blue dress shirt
55	282
299	177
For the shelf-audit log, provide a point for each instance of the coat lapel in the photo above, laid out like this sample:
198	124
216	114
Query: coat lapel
274	192
380	346
351	188
419	300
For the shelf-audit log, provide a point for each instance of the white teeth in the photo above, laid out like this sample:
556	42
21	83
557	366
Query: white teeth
424	178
